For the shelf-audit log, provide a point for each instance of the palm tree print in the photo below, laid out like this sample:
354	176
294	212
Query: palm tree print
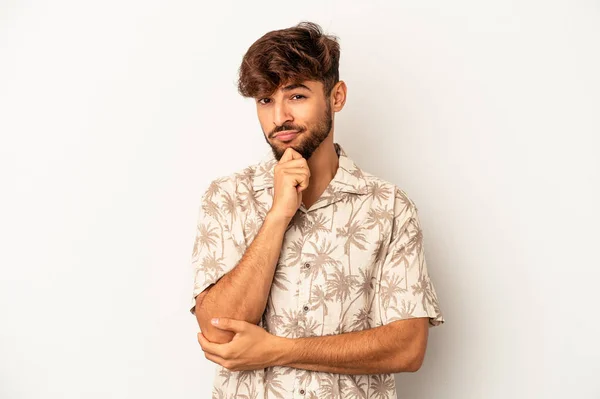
294	253
320	298
280	280
381	385
355	260
365	287
319	224
206	237
214	188
320	261
213	266
229	206
274	384
355	236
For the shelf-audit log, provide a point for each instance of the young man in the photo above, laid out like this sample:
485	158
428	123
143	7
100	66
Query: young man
310	277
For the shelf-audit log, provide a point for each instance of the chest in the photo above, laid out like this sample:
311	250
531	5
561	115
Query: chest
327	269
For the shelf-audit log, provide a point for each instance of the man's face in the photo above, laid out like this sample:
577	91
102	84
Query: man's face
297	116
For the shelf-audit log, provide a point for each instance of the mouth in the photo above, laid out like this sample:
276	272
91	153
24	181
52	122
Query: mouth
286	135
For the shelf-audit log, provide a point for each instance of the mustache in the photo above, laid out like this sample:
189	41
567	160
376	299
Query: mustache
284	127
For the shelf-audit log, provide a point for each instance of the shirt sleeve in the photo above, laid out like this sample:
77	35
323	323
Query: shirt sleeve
405	289
215	251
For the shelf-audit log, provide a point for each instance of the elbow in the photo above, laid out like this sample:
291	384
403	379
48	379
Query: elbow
207	309
409	363
212	333
417	347
204	315
414	363
413	358
410	344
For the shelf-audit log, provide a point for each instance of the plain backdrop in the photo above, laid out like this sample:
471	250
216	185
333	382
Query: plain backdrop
115	116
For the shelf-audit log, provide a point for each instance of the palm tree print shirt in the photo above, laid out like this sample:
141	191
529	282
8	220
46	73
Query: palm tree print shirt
354	260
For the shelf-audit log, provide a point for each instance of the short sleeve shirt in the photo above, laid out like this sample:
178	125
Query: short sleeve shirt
352	261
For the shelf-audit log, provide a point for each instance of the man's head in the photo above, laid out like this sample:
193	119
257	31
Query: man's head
292	74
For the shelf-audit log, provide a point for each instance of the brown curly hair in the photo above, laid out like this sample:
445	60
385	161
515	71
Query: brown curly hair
292	55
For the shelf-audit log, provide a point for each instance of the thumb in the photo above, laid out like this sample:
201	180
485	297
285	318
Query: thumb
287	155
224	323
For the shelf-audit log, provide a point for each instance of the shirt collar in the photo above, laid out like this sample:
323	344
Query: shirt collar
348	178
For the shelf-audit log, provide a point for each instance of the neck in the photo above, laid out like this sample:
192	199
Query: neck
323	165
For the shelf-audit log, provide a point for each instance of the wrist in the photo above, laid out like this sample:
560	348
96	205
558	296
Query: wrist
285	349
277	218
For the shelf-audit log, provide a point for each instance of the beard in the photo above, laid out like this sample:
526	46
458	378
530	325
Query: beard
308	139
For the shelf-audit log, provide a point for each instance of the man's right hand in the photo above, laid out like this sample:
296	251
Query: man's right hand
291	177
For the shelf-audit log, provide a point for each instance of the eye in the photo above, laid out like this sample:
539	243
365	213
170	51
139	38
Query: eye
298	95
260	101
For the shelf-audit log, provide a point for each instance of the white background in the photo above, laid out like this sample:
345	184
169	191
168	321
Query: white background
115	115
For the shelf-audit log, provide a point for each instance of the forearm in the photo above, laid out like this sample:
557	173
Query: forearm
242	293
386	349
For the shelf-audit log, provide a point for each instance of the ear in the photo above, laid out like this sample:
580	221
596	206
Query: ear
338	96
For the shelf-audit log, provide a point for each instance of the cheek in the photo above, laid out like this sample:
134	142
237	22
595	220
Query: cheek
265	123
309	115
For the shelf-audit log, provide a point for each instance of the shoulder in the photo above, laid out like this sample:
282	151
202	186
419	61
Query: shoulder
233	183
388	192
218	186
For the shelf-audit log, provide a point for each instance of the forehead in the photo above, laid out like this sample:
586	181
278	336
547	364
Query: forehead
313	86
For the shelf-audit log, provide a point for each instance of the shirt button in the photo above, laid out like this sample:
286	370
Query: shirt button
307	265
302	392
305	308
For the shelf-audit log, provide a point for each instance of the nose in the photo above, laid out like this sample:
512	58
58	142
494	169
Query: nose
281	113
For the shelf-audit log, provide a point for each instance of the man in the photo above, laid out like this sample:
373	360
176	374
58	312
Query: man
310	278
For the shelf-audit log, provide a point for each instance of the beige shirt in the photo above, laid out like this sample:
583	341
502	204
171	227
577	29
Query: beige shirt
354	260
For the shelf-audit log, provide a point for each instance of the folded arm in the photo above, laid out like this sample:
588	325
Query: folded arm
242	293
392	348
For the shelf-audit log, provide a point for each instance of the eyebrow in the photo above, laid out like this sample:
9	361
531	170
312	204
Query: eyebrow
295	86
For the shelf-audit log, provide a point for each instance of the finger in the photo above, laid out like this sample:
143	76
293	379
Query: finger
214	358
287	155
296	163
224	323
290	154
300	187
295	154
303	185
209	347
298	179
302	171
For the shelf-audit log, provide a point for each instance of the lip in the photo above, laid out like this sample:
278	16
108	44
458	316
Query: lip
286	135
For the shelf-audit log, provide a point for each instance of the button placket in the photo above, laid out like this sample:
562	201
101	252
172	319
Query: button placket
304	283
302	300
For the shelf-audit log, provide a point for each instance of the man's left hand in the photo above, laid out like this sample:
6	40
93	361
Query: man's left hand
251	348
